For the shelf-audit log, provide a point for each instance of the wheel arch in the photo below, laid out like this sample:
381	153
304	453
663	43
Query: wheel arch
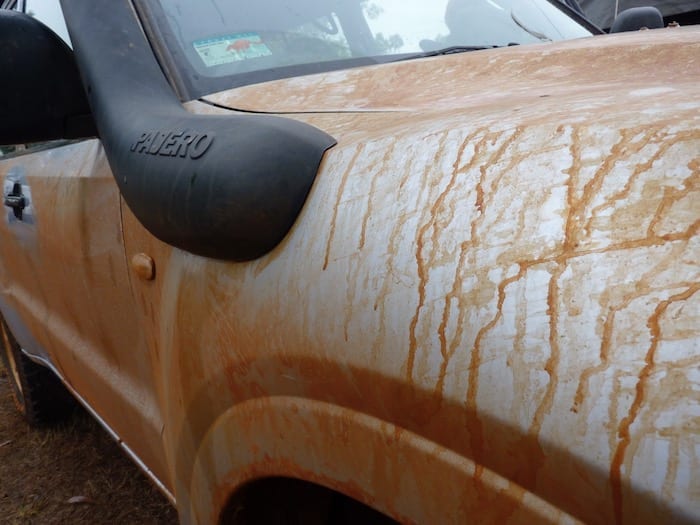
392	470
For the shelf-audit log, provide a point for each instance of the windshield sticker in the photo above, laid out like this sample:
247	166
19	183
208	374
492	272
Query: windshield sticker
233	48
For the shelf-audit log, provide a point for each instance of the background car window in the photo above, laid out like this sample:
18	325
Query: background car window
12	4
49	12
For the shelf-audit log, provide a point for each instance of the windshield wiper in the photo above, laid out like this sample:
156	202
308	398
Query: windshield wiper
536	34
451	50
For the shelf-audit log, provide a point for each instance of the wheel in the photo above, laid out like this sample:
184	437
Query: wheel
38	393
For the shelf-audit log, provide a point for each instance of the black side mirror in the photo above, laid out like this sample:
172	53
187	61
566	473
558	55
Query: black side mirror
637	18
41	96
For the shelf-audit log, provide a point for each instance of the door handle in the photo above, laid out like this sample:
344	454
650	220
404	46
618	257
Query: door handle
16	200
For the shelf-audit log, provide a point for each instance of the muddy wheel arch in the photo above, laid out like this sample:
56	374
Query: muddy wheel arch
356	455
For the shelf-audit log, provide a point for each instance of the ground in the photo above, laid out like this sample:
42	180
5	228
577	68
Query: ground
70	473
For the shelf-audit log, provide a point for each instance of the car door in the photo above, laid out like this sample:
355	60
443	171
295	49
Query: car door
65	280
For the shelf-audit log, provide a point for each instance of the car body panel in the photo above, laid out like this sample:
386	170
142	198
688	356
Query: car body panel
488	305
69	284
508	283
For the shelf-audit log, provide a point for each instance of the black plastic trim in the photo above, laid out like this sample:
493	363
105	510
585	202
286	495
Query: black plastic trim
228	187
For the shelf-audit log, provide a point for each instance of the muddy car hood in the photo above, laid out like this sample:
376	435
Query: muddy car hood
602	71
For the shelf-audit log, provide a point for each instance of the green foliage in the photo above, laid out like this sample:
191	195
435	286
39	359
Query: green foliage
388	44
385	44
372	10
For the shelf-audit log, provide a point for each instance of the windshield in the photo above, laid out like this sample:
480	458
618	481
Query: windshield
217	44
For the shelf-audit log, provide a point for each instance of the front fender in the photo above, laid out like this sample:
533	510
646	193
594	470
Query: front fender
394	470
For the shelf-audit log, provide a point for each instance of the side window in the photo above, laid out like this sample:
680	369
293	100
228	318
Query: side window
17	5
48	12
6	150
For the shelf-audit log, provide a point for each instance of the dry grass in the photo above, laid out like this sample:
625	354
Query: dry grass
42	469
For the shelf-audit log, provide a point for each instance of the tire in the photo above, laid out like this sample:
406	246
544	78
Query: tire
39	395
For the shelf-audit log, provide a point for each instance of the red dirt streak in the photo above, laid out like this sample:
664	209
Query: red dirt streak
341	190
640	389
